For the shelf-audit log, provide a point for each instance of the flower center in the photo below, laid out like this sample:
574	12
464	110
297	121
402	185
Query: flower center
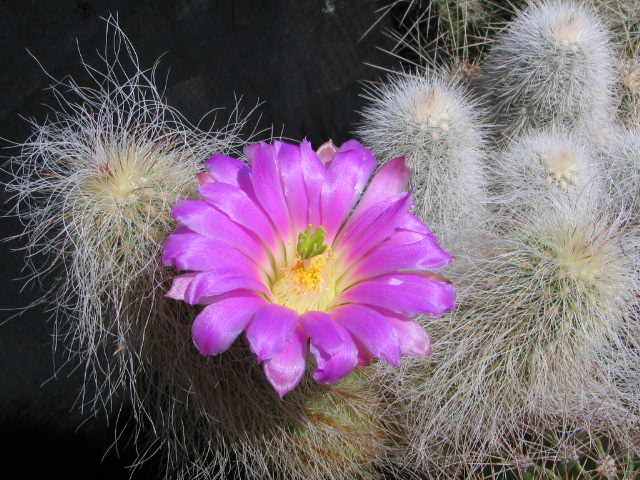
562	168
123	177
568	32
308	282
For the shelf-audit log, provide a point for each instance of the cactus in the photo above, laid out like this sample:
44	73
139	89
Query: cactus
621	159
574	454
448	30
545	336
550	298
536	373
543	166
216	415
434	125
94	187
552	66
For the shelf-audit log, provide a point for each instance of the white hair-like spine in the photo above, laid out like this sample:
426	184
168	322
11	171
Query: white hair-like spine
553	65
437	127
94	187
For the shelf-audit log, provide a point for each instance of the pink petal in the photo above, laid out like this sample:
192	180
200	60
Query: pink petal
423	255
326	152
392	178
204	177
372	329
219	324
265	178
226	169
237	205
293	184
179	285
332	345
313	172
405	237
409	294
346	177
222	280
413	224
192	251
206	220
365	357
372	227
414	340
285	369
272	326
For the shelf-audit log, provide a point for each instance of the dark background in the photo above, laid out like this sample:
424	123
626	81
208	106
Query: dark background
303	59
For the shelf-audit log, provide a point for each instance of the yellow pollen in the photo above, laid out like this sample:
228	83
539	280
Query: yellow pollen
307	275
308	285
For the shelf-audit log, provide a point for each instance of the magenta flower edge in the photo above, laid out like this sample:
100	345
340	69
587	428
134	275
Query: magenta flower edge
291	251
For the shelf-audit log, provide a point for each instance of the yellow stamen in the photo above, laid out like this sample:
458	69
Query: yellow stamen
308	285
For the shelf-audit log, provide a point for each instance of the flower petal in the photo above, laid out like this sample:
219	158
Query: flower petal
326	152
391	179
372	227
219	324
206	220
222	280
293	184
226	169
365	357
267	185
332	345
285	369
372	329
414	340
347	174
313	172
423	255
412	223
272	326
179	285
204	177
192	251
239	207
405	237
409	294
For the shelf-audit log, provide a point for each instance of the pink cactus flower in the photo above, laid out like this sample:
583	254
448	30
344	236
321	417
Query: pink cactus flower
291	251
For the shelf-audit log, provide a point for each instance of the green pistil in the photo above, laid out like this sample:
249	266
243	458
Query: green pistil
311	244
